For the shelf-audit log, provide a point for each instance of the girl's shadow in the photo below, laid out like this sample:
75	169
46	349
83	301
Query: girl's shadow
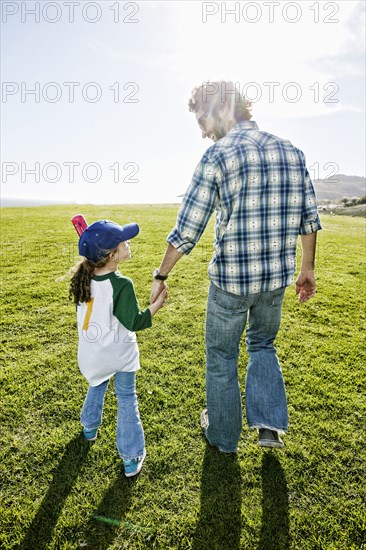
103	526
96	535
39	533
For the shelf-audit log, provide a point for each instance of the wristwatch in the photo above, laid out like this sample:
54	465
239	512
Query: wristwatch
158	277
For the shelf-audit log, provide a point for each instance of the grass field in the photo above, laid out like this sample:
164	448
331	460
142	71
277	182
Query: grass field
310	495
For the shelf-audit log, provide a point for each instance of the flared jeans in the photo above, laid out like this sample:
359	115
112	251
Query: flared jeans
265	395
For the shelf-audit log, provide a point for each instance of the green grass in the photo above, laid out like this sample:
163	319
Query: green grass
311	495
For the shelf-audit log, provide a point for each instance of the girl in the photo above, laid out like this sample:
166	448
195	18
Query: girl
108	315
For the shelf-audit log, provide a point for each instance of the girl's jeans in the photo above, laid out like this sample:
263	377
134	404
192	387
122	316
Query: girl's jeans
265	396
130	434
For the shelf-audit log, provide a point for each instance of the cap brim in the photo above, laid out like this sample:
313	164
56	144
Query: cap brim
130	231
103	236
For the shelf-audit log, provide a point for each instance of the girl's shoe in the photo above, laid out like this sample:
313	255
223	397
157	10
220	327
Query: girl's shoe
133	467
90	435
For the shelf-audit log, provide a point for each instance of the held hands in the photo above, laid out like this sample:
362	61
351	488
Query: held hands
162	299
305	285
156	289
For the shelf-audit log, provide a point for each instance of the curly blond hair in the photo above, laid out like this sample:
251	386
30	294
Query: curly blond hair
214	96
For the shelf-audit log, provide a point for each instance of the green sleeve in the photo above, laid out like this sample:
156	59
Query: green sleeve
126	307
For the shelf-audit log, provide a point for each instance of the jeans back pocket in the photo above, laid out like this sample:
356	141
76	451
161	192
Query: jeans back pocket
228	301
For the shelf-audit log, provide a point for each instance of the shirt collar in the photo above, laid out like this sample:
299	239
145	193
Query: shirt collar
243	125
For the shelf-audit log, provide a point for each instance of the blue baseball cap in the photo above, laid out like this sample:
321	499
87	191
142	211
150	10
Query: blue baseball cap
99	238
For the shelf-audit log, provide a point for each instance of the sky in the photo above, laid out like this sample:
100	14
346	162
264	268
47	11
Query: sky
94	94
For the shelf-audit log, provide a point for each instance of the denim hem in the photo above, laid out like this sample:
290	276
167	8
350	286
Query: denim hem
280	431
217	446
226	452
91	427
134	457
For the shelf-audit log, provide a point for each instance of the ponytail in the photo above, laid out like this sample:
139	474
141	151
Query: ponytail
79	290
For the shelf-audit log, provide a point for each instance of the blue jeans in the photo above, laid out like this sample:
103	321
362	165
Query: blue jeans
265	395
130	434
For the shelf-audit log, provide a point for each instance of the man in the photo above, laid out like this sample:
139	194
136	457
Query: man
263	196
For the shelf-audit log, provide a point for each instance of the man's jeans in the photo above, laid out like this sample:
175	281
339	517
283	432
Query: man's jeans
265	395
130	434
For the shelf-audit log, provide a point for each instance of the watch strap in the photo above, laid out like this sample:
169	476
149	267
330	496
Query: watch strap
157	276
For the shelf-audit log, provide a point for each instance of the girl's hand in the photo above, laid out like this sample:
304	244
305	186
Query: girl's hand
162	299
156	289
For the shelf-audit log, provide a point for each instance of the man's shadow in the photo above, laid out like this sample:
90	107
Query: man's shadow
219	522
275	531
39	534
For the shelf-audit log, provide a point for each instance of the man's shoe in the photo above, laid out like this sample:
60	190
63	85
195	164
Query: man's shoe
90	435
204	420
269	438
204	425
133	467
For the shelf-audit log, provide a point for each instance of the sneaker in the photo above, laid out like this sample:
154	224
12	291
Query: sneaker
90	435
269	438
204	425
133	467
204	420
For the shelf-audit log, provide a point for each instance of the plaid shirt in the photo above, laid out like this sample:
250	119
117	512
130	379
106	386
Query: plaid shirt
263	196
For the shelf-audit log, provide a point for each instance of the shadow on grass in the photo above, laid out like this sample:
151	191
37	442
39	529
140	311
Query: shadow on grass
219	522
114	506
275	532
40	531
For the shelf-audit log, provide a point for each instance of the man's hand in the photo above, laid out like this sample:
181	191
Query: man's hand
156	289
305	285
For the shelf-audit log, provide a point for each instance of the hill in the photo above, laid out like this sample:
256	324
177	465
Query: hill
340	185
334	189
